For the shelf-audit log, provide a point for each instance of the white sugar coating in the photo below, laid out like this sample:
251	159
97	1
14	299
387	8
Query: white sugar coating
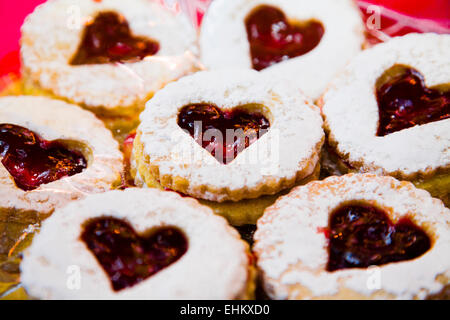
292	250
351	109
214	249
224	42
57	120
288	152
51	36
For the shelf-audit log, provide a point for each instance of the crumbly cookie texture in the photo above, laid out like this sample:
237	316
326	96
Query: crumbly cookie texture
214	248
224	42
239	213
287	153
292	251
437	185
51	36
58	120
119	124
350	110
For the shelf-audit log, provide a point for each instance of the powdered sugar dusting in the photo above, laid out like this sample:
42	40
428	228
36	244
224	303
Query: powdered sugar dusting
213	248
290	147
58	120
351	110
50	38
292	251
224	43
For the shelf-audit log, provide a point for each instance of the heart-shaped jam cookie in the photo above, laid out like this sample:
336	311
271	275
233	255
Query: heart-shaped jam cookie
129	258
361	236
109	39
274	39
223	134
32	161
404	101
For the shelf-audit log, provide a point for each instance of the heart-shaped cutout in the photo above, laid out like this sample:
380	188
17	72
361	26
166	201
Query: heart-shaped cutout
273	38
361	235
32	161
129	258
108	39
404	101
223	134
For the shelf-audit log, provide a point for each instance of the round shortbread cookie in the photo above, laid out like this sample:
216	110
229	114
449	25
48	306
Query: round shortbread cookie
285	155
55	120
224	41
53	33
292	242
213	248
353	118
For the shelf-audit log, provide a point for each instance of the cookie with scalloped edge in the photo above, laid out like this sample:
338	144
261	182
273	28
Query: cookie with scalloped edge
76	129
417	152
57	31
292	242
286	155
210	247
224	39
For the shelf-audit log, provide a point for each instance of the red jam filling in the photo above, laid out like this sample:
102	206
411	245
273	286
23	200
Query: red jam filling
247	231
127	147
108	39
404	101
242	128
274	39
361	236
129	258
32	161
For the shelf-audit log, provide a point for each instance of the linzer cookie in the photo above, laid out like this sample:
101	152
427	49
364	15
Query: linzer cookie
137	244
51	153
358	236
234	140
389	112
307	42
108	56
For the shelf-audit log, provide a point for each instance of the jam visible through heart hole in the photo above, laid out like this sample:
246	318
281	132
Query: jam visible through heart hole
32	161
223	133
108	39
129	258
273	38
361	236
404	101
